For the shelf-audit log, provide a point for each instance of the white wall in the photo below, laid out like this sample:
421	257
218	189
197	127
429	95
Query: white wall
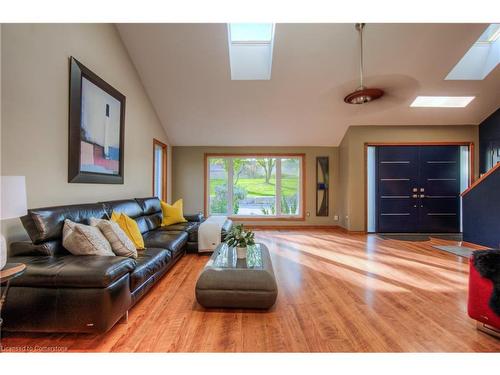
35	85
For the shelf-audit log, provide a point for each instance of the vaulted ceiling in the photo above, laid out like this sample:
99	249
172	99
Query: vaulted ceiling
185	70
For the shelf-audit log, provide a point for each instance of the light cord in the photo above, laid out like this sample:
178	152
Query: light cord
360	28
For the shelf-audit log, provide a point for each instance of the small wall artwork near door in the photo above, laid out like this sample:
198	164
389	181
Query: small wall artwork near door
97	113
322	185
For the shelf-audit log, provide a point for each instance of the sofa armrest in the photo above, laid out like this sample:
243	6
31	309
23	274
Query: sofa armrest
197	218
72	271
27	248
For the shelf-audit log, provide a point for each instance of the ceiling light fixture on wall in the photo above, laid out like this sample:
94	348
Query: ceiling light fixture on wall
362	94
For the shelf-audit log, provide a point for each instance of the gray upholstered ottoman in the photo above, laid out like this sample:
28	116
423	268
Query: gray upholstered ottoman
238	283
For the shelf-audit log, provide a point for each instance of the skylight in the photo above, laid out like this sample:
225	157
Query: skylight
251	32
481	58
250	50
442	101
491	34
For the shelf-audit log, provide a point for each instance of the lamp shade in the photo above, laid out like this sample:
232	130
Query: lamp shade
13	203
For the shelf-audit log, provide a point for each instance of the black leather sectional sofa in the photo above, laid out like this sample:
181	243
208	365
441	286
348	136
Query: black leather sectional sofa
61	292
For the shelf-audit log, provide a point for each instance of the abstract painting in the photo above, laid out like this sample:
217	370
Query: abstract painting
322	189
97	113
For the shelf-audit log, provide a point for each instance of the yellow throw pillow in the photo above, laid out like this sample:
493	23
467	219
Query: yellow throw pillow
172	214
130	227
115	216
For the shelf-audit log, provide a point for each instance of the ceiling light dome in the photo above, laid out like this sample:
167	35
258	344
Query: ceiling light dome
362	94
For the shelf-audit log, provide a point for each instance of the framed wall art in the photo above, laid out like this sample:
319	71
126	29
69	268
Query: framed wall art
96	128
322	188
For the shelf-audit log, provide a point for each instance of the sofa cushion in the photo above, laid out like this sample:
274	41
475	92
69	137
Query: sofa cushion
186	227
152	212
149	205
149	262
129	207
154	221
190	227
45	224
199	218
172	240
27	248
70	271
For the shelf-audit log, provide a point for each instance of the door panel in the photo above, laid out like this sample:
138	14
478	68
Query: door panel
397	175
418	189
395	187
440	178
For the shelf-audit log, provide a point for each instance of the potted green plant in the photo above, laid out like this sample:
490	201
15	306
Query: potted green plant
240	238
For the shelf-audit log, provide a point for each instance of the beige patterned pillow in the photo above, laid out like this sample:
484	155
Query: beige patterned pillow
119	241
80	239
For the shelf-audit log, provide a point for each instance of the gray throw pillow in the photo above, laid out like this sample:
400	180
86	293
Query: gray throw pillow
81	239
119	241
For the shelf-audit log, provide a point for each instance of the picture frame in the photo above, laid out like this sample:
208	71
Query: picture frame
96	143
322	186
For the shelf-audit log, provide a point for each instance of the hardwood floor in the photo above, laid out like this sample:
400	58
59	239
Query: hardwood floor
338	292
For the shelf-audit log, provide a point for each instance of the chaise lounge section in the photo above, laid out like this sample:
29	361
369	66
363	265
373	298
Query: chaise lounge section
61	292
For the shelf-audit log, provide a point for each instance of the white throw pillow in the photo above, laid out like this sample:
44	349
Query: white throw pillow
118	239
81	239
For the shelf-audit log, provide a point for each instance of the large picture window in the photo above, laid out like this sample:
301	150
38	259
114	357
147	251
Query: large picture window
256	186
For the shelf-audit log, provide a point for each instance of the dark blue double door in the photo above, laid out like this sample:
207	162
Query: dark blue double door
418	189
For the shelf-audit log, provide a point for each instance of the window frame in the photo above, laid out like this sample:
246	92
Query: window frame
302	185
164	147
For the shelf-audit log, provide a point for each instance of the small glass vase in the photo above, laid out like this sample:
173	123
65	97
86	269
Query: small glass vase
241	252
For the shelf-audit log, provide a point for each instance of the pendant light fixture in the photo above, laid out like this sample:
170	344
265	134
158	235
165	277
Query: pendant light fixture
362	94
